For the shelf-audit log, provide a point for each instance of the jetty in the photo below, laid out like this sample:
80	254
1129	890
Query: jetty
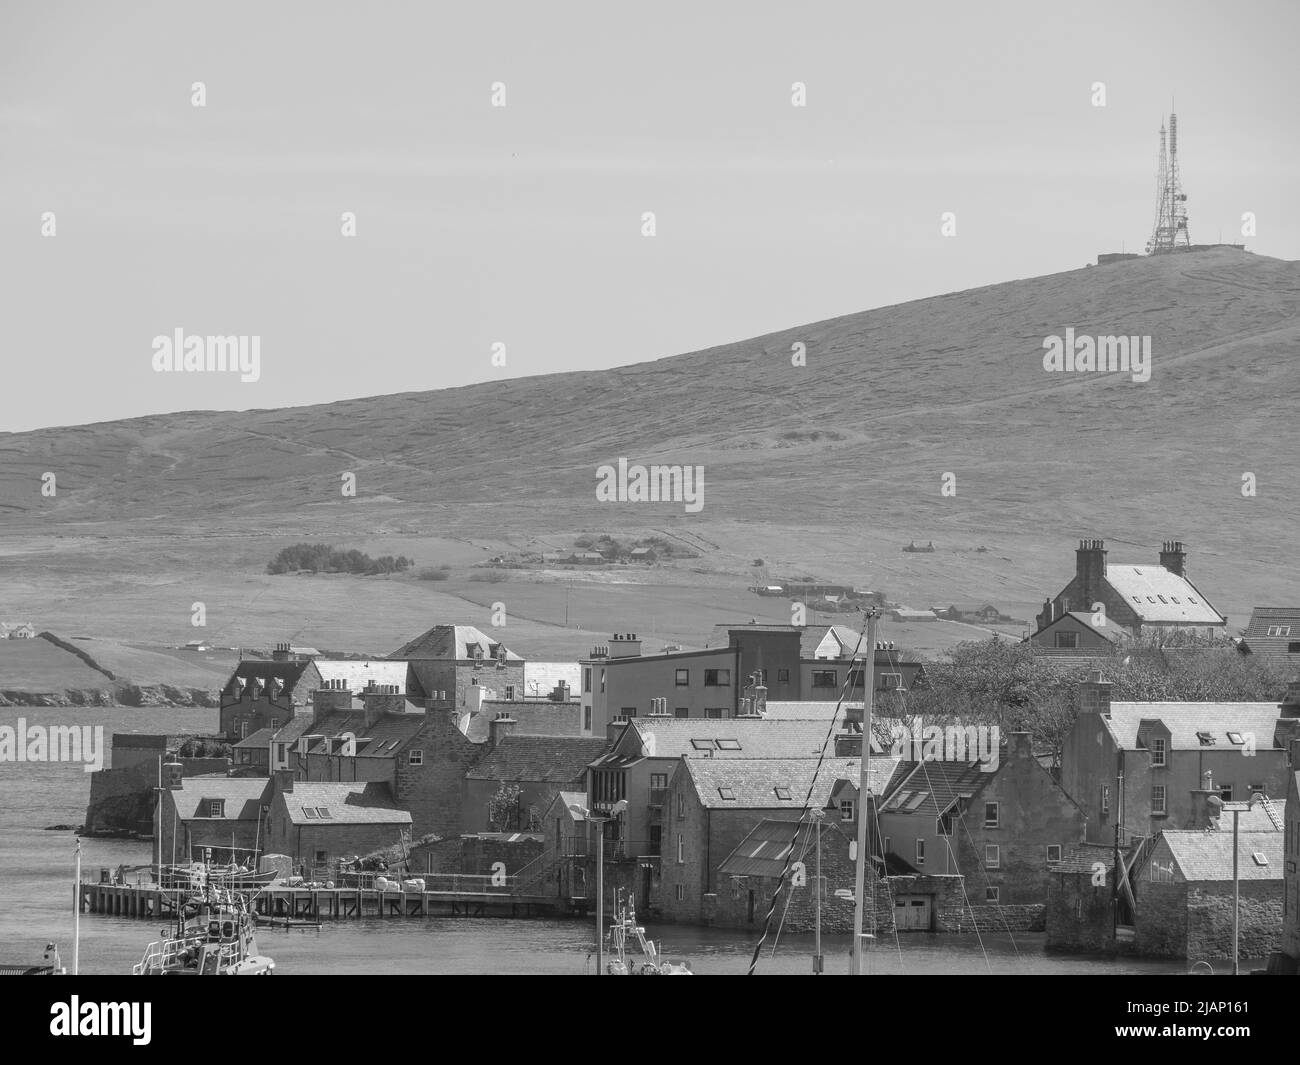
451	895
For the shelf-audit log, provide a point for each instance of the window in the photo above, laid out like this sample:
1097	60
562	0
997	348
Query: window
323	812
415	756
1105	798
1067	639
216	807
1279	630
681	849
783	676
658	781
602	680
1158	799
825	678
510	692
683	678
628	711
943	826
1293	648
783	793
1225	792
681	892
322	857
586	718
717	713
847	808
1205	738
1053	852
920	852
855	678
1158	750
890	682
1235	737
681	711
309	811
702	745
243	729
727	793
728	745
992	856
586	679
990	815
992	894
681	807
282	754
888	846
717	678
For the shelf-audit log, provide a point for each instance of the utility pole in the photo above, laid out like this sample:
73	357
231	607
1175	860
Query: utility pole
859	878
818	960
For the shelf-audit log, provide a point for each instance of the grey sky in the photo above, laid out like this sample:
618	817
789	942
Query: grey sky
522	224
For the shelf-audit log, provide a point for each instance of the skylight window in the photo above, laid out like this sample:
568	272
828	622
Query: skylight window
727	793
1151	598
1235	737
728	745
702	745
323	811
1260	858
1163	599
309	811
1175	599
1190	599
1137	599
1206	738
783	793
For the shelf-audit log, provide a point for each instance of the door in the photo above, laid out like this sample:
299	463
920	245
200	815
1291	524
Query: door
912	913
751	905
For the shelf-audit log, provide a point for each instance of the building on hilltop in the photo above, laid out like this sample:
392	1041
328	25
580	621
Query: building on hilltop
1274	635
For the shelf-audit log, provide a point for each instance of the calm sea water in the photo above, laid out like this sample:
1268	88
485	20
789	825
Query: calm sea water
36	904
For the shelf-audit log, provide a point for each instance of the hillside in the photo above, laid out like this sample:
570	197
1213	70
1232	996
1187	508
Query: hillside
826	469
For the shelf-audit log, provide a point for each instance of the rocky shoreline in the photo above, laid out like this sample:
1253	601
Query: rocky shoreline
162	695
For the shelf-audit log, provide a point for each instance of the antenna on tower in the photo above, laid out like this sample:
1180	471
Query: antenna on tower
1170	232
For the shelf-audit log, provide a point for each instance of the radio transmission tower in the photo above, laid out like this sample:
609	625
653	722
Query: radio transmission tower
1170	233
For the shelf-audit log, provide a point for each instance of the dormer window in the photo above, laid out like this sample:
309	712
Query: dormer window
216	807
1279	630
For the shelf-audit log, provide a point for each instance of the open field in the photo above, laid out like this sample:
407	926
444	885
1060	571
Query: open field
823	471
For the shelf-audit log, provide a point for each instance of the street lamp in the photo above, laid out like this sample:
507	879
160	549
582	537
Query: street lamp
600	823
1237	808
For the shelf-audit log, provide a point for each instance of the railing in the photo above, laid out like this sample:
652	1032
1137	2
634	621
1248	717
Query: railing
615	849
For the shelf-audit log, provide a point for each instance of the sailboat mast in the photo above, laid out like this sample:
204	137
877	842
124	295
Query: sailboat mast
76	918
859	879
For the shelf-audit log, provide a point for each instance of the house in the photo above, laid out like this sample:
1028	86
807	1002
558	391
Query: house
262	694
903	613
482	854
197	645
357	674
1183	889
1141	599
1077	634
1274	635
218	813
827	663
318	824
252	754
1137	764
447	662
540	766
643	554
17	630
712	804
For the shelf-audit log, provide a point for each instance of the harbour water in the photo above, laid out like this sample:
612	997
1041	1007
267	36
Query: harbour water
36	904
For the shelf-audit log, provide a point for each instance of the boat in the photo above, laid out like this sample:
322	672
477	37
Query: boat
214	936
624	929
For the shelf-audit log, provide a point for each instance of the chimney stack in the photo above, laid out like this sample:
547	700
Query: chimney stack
1019	745
1094	695
659	708
380	699
284	781
499	728
1173	557
1089	571
625	645
331	695
1207	806
173	775
281	653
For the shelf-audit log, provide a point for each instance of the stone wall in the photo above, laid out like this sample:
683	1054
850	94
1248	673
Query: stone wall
1078	915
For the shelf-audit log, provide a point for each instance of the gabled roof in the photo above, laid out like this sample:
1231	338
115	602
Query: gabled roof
741	737
753	782
261	738
546	759
765	850
296	726
1208	855
287	673
355	803
1257	641
451	642
1185	721
884	774
567	800
1109	631
829	641
932	788
807	710
1159	595
242	796
382	738
357	673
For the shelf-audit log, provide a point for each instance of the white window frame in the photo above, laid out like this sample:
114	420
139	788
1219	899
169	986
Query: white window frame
848	810
994	821
415	756
1054	847
920	853
992	894
1163	807
1159	752
216	807
681	892
681	849
992	856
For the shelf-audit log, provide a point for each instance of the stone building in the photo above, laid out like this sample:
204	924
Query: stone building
447	663
262	694
317	824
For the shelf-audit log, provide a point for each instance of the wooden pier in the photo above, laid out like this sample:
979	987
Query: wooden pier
319	904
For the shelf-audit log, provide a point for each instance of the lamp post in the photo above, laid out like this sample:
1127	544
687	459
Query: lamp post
600	823
1237	808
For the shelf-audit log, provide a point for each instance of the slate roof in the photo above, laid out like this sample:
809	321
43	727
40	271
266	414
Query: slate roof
261	738
806	710
355	803
1157	594
753	781
764	851
1208	855
884	773
932	787
242	796
287	673
1185	720
358	673
296	726
1110	631
383	738
544	759
448	642
757	737
1274	648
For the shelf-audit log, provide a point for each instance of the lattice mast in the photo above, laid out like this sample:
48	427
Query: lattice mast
1170	233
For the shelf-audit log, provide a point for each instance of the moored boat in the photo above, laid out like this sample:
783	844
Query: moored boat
214	937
